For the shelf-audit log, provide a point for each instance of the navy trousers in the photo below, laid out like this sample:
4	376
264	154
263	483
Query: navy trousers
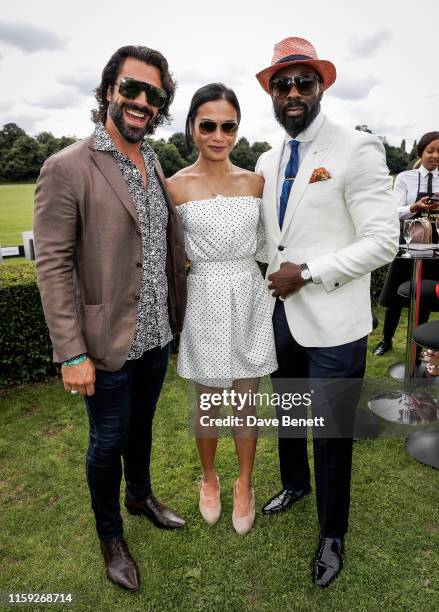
332	455
120	417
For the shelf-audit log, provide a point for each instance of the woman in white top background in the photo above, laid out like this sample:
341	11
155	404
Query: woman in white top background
227	338
412	190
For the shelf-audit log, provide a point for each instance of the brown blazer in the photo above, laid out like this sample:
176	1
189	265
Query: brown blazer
88	247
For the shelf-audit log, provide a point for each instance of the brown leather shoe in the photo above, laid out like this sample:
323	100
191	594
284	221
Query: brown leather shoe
156	512
121	567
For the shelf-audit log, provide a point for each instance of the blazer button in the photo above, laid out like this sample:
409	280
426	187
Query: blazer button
138	264
137	298
280	248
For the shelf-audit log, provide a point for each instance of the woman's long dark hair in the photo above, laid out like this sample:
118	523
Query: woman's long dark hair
111	71
209	93
425	140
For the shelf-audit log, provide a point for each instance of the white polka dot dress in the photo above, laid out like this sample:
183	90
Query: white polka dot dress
227	332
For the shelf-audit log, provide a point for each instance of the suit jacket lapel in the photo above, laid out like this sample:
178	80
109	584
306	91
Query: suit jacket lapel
109	168
314	157
270	189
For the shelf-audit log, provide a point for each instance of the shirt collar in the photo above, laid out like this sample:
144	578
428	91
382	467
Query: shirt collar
423	171
310	132
104	142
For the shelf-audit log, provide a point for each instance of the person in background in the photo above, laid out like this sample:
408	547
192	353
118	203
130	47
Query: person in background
412	190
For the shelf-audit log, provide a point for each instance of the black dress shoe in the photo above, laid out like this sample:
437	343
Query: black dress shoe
283	500
328	562
156	512
121	567
382	347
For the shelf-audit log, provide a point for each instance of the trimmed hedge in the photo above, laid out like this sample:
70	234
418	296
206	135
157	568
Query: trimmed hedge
376	283
25	347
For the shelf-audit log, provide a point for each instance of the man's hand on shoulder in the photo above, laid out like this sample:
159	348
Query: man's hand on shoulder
80	377
286	280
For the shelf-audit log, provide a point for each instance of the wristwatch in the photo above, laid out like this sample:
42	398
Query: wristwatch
305	273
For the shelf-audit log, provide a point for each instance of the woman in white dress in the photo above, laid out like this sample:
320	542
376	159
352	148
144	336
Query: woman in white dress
227	339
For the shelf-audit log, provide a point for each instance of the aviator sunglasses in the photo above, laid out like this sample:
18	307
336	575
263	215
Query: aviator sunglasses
131	88
209	127
305	85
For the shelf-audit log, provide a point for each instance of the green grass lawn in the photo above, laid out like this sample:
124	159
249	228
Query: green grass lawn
16	212
48	542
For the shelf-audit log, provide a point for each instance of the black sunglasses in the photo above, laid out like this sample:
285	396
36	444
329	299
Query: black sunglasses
131	88
305	85
208	127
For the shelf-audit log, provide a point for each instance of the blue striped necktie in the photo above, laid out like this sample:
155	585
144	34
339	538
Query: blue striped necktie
290	175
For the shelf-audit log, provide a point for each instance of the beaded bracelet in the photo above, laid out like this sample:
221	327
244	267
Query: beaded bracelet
75	360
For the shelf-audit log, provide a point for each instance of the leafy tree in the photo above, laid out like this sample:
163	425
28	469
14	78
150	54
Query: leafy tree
413	155
259	147
24	160
48	143
397	160
66	141
21	156
169	156
186	151
8	135
242	155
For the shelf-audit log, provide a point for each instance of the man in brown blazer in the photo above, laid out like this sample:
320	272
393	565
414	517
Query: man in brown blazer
110	266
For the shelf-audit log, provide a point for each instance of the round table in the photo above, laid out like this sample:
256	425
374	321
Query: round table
407	406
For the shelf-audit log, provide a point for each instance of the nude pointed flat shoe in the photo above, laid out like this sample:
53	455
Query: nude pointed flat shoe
210	506
243	524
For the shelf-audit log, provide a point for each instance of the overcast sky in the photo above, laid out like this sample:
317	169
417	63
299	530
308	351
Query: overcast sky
52	54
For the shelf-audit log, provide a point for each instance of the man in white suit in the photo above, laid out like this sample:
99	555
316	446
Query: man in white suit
330	220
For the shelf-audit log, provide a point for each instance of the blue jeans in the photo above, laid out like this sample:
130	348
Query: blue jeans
120	416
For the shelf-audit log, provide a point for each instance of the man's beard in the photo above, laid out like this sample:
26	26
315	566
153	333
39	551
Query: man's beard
296	124
129	132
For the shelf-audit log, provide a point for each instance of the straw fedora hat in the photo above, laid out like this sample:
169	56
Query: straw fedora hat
295	50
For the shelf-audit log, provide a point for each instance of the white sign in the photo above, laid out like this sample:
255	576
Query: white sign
10	251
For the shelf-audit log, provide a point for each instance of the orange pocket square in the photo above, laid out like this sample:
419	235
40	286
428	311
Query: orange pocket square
319	174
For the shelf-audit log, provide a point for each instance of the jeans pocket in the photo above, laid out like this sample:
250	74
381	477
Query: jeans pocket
112	380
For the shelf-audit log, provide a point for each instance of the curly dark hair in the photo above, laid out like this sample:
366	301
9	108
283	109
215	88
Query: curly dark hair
111	71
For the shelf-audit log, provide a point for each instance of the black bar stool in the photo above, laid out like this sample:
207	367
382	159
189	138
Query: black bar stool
423	444
428	295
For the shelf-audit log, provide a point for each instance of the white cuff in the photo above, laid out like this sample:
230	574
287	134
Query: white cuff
314	273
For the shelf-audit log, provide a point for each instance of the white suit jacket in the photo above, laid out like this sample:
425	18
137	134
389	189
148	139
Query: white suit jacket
343	228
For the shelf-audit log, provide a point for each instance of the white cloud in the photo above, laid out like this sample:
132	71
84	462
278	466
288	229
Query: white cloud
29	38
84	82
63	99
352	88
231	47
369	45
26	121
5	105
227	73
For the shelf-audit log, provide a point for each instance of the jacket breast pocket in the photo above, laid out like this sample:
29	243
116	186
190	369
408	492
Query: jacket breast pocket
319	184
93	325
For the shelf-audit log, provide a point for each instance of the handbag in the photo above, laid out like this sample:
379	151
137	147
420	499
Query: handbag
422	232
